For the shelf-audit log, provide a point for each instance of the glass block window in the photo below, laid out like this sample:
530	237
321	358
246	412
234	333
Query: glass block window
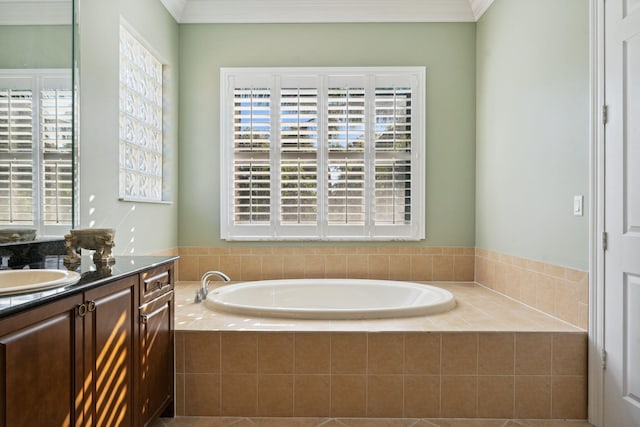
36	150
141	146
322	154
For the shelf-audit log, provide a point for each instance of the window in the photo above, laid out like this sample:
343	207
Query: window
322	154
36	173
141	151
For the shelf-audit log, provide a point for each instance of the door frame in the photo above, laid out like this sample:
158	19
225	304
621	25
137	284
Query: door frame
597	210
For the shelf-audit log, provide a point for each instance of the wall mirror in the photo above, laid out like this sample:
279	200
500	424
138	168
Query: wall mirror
37	119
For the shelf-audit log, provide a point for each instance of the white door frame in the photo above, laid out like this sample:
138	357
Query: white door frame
596	217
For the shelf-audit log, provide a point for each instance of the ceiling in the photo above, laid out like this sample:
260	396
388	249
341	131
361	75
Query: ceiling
34	12
307	11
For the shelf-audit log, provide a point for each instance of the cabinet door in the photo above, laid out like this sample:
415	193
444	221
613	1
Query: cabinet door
156	357
41	366
110	335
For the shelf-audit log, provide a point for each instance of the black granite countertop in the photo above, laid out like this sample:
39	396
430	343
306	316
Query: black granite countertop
90	277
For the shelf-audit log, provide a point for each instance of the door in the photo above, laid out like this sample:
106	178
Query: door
156	358
40	366
622	214
112	353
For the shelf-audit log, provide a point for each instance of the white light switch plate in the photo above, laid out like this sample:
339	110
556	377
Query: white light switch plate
578	202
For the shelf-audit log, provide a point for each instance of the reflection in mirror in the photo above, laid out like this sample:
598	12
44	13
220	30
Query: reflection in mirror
36	119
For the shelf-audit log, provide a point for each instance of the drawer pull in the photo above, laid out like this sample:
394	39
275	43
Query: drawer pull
91	306
144	318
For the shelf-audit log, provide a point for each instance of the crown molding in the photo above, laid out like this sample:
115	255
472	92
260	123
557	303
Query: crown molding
35	12
479	7
316	11
175	8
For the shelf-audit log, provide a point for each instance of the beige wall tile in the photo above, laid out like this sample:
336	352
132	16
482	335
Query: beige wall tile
179	351
528	287
496	353
293	266
275	395
545	293
208	263
464	268
275	353
348	353
312	396
421	267
569	354
314	266
251	267
569	397
202	394
239	395
201	352
533	353
422	353
532	396
335	266
348	395
459	396
496	396
379	267
442	267
188	266
312	353
399	267
231	265
422	396
385	353
358	266
179	394
239	352
272	267
385	396
459	353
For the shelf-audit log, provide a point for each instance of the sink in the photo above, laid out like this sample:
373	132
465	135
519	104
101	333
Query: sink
21	281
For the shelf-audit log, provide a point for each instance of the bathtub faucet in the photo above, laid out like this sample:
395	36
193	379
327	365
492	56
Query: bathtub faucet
201	293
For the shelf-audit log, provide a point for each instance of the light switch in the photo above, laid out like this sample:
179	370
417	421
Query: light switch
578	202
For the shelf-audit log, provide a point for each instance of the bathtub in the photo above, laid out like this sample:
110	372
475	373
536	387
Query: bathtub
330	299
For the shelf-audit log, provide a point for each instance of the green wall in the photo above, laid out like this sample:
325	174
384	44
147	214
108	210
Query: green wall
447	50
35	46
532	138
141	228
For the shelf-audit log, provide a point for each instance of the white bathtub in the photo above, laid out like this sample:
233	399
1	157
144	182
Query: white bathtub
330	299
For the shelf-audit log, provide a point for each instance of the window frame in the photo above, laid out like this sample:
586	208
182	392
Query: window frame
372	78
38	81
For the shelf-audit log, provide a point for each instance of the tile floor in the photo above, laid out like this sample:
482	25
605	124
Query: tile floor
358	422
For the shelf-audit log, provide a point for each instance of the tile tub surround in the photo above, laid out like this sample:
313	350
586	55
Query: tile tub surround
559	291
384	262
495	367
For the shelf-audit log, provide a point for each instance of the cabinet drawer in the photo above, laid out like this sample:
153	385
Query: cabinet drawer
155	282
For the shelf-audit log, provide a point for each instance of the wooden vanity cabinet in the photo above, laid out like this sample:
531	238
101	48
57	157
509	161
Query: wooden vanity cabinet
96	358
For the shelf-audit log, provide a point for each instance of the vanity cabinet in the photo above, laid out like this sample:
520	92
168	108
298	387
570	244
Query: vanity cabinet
101	357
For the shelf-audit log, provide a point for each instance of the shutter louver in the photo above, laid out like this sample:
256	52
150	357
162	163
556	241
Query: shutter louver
252	192
16	192
393	155
16	120
346	192
252	120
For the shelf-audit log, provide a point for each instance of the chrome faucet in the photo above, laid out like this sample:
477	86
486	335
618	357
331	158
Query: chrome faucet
201	293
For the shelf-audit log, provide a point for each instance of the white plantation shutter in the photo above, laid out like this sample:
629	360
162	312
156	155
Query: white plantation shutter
322	153
36	182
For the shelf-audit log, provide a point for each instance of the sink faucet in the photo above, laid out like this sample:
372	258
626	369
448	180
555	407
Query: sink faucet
201	293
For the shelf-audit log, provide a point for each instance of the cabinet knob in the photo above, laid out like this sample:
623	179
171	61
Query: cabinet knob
144	318
82	309
91	306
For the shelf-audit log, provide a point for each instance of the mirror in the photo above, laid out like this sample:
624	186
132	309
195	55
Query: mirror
37	126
